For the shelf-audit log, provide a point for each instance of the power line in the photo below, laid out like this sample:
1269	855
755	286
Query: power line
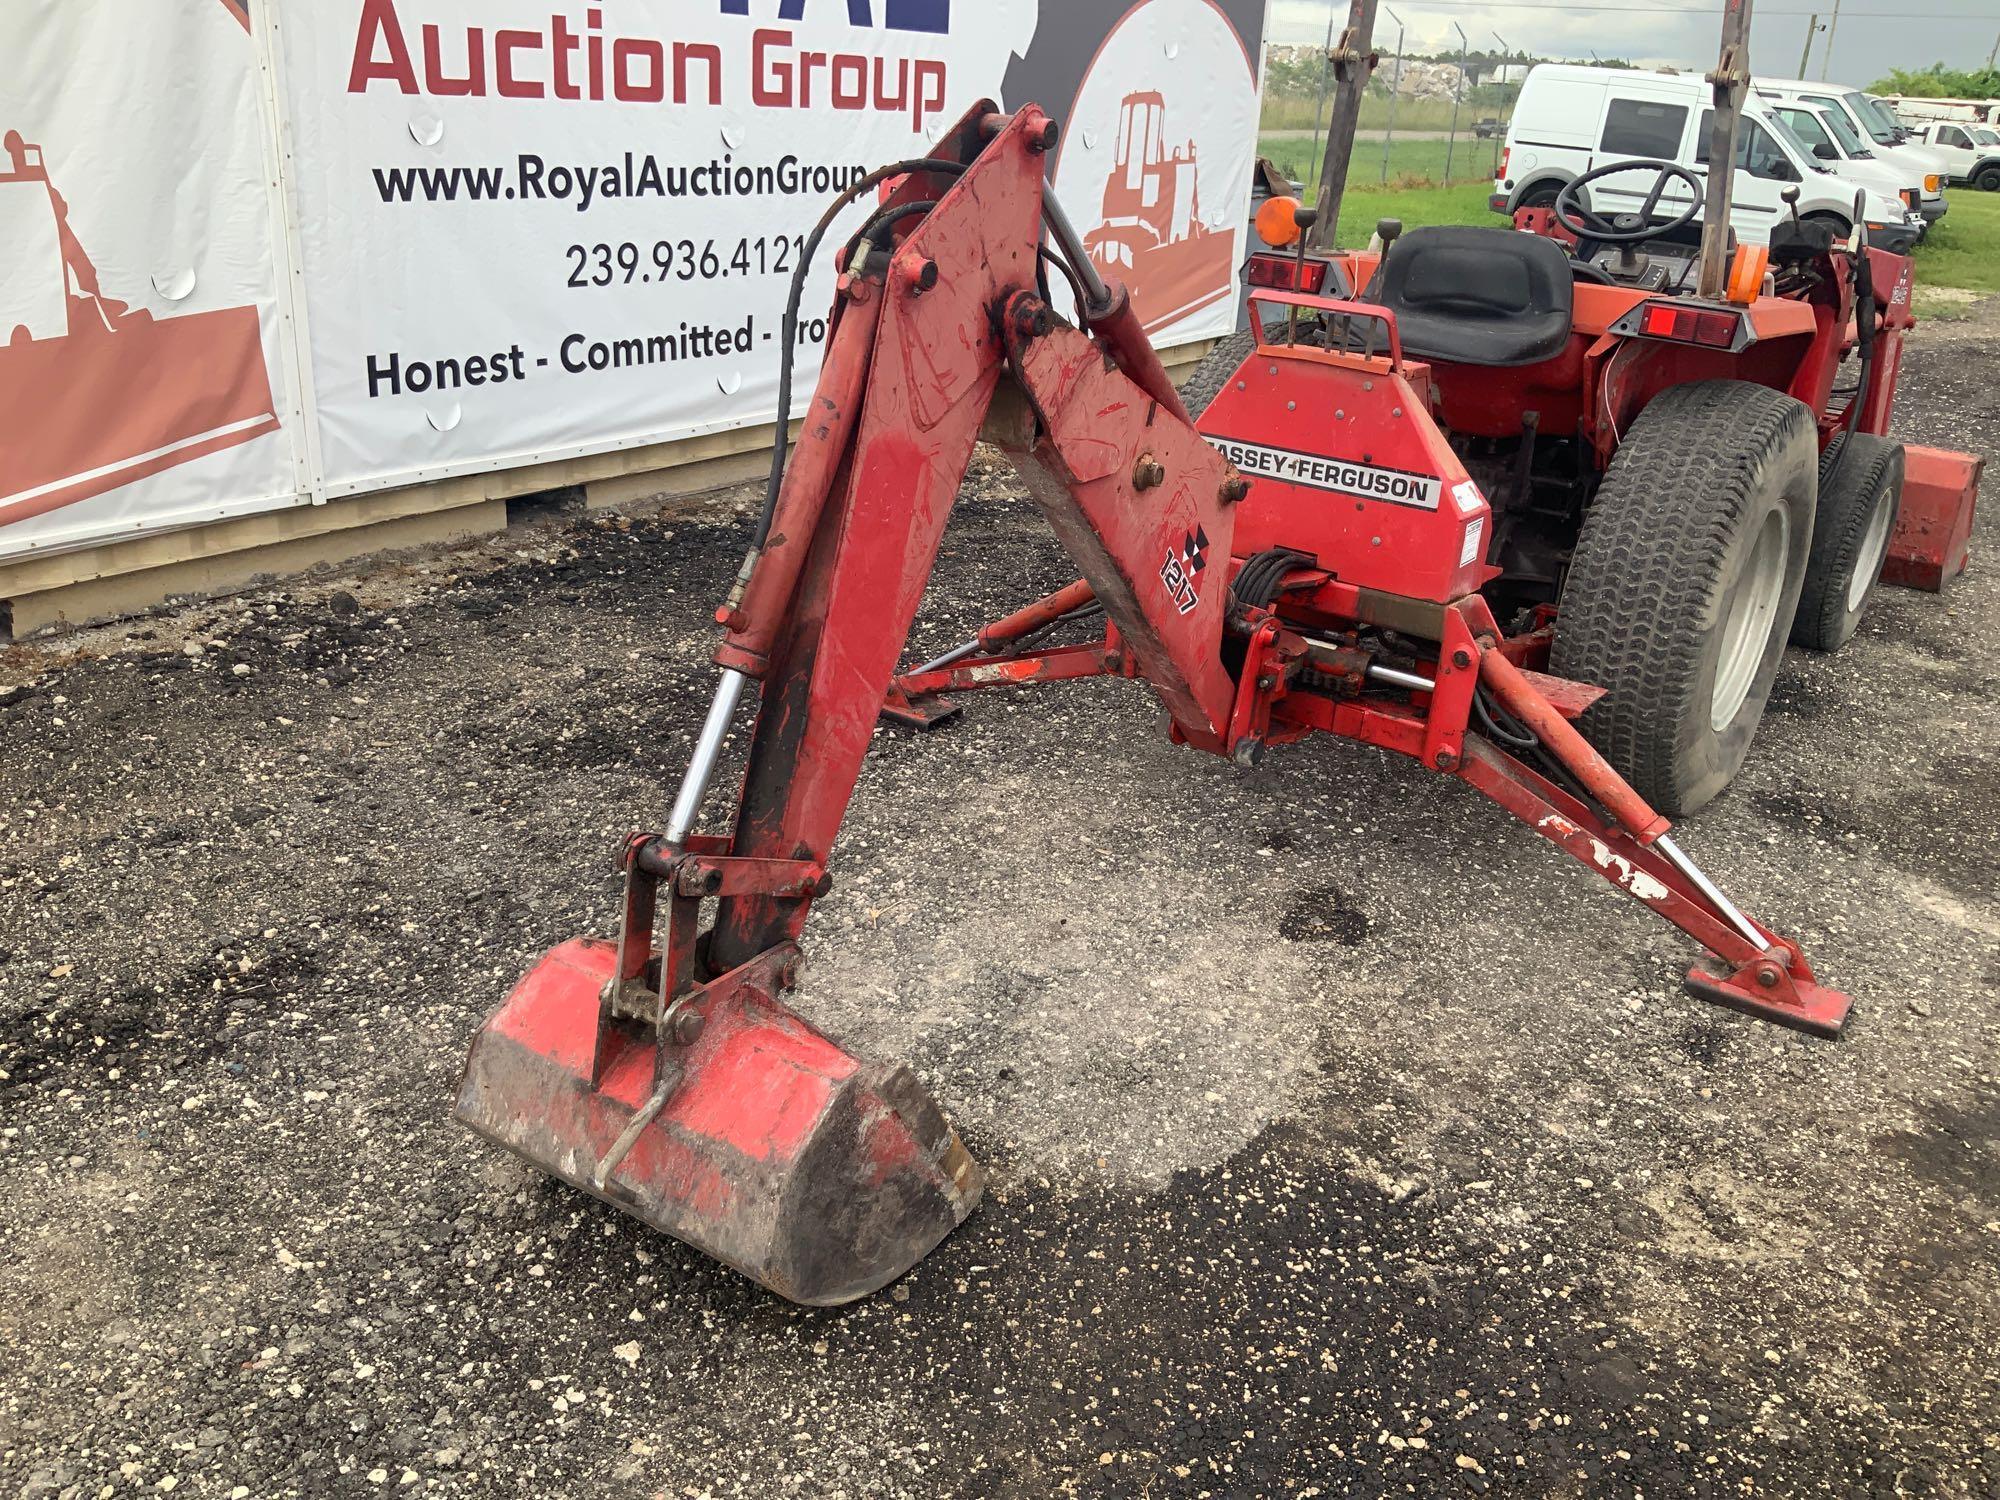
1692	10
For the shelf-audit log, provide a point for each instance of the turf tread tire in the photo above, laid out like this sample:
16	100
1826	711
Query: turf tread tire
1848	492
1640	613
1213	372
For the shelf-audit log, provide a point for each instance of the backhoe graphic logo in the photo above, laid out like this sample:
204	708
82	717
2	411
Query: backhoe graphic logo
1182	570
94	392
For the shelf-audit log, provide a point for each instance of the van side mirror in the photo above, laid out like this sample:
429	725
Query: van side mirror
1783	170
1825	152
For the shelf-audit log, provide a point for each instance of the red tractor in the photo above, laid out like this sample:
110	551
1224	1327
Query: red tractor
1325	555
1675	484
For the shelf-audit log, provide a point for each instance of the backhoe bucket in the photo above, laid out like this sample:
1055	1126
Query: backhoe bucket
816	1174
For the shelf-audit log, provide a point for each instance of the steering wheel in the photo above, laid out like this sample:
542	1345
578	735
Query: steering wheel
1627	228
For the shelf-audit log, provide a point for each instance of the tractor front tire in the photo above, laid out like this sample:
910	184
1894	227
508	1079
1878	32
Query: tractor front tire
1684	582
1216	366
1859	496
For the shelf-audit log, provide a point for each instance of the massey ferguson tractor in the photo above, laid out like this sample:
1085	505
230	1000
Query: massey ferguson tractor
1537	512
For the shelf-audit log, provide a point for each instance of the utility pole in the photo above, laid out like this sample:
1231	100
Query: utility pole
1325	67
1812	25
1730	83
1832	27
1353	60
1395	88
1991	53
1451	141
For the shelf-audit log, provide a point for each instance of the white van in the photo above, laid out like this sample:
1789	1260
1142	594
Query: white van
1833	143
1571	119
1875	124
1969	150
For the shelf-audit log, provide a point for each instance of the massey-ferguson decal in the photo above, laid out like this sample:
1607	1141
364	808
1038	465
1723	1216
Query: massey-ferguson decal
1342	477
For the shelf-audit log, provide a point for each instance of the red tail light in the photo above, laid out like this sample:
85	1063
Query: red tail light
1689	325
1505	156
1284	272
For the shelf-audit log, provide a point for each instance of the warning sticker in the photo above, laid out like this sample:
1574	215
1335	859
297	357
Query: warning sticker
1362	481
1475	533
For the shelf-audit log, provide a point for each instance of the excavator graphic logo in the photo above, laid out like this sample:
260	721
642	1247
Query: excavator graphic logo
94	393
1151	235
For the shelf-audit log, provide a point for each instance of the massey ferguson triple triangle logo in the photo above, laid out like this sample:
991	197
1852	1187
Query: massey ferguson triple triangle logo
1182	570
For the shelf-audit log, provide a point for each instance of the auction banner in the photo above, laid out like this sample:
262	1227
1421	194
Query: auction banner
145	364
529	230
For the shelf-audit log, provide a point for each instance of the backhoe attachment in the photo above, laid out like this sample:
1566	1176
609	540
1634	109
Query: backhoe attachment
665	1072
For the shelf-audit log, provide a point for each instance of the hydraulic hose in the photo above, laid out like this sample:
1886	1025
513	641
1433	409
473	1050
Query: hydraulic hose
781	443
876	229
1864	341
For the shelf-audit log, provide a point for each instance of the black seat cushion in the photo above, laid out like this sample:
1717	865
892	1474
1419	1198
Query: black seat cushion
1478	296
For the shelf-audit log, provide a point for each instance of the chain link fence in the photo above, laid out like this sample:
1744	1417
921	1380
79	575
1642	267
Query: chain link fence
1430	120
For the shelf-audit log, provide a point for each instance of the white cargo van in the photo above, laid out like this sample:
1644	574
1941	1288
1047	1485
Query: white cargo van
1875	124
1834	144
1571	119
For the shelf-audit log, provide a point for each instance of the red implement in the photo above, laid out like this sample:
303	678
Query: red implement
1932	542
1309	559
772	1150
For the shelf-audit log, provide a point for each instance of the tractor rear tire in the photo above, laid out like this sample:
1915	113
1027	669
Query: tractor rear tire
1216	366
1684	581
1859	497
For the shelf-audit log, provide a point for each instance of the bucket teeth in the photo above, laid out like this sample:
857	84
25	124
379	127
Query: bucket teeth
775	1151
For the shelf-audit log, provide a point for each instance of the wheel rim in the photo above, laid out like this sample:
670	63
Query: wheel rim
1868	562
1747	618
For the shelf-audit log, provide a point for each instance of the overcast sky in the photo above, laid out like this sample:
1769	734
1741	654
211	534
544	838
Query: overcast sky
1873	36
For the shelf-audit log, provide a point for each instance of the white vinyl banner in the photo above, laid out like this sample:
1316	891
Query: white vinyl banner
144	369
530	230
257	253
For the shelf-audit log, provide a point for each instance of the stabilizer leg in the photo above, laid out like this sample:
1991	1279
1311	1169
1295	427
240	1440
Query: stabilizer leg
1767	975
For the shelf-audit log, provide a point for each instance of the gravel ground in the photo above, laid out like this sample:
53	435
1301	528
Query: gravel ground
1344	1139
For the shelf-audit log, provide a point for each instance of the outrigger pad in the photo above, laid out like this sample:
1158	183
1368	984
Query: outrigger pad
1788	1000
817	1175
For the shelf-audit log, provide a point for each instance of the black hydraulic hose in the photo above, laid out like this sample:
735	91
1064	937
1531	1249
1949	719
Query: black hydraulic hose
1085	611
781	443
1864	339
883	220
1051	258
1517	737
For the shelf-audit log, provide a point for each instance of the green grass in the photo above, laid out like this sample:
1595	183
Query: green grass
1364	204
1293	113
1409	164
1961	254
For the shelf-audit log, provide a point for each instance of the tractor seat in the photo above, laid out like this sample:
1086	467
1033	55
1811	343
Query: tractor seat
1474	296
